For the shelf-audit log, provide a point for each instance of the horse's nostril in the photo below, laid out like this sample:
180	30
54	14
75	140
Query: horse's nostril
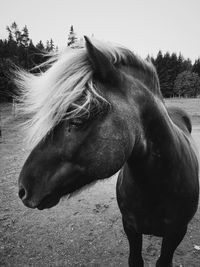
22	193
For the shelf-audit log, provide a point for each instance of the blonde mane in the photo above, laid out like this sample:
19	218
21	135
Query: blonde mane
54	95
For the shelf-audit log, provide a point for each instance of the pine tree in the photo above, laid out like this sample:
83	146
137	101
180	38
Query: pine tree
40	46
10	48
72	39
196	66
10	35
16	33
51	43
25	37
39	54
160	64
48	48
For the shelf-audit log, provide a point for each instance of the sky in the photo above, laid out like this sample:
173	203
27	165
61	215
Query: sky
144	26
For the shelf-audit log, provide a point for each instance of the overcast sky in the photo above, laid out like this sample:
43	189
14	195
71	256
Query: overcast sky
145	26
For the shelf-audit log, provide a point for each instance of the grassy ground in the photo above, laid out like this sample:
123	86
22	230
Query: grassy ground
83	231
190	105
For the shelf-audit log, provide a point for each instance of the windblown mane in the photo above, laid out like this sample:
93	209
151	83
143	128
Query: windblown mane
67	89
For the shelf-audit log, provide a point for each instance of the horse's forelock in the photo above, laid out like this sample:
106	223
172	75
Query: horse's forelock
46	98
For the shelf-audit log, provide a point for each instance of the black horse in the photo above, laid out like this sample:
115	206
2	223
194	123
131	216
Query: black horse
96	111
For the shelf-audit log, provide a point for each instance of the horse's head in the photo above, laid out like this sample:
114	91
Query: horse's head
84	124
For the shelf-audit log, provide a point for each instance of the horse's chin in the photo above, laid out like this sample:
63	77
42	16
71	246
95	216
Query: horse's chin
48	202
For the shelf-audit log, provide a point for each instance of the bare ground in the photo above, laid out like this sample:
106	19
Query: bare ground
83	231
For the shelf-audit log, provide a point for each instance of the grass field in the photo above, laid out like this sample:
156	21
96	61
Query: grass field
190	105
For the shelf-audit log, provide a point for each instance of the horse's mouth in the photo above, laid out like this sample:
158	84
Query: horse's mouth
48	202
52	199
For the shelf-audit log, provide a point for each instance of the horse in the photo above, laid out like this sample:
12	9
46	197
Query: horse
99	110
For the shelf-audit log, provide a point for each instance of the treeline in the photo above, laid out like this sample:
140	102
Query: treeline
178	76
18	50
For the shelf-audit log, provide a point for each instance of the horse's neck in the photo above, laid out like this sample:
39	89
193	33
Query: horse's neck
150	80
158	133
159	128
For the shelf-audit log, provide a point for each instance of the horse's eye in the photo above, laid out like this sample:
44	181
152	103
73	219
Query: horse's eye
76	123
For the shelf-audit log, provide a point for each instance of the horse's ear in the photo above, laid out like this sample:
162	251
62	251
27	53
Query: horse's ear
104	70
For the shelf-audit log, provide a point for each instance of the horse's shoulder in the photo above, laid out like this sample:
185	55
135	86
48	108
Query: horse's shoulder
181	118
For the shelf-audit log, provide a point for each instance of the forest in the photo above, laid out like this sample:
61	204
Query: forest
179	77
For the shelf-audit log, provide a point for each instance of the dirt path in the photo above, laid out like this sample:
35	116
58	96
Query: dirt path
83	231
